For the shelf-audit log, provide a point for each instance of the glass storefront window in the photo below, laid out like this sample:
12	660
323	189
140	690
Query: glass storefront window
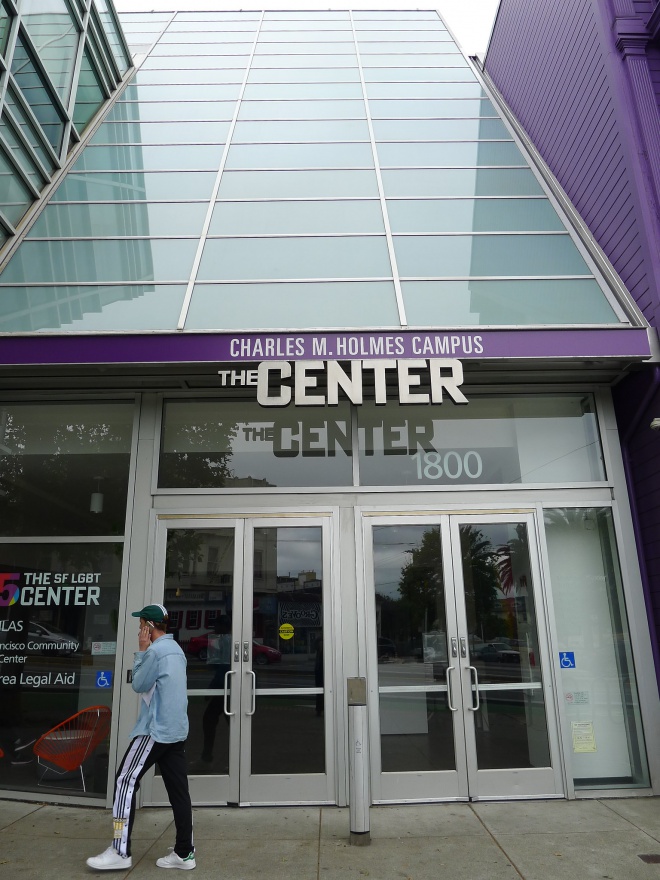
597	671
493	440
64	468
58	641
219	444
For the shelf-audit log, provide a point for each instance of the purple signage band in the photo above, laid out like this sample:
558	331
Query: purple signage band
185	347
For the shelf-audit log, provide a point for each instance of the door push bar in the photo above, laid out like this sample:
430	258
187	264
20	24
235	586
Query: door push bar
225	703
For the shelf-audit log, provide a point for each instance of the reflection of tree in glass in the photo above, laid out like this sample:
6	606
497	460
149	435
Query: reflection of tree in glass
481	579
421	585
202	458
51	466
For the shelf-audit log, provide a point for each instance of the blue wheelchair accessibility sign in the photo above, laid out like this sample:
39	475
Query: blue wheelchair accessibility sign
103	679
567	659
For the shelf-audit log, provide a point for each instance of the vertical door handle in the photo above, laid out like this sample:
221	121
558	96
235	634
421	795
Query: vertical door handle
253	702
474	682
450	696
225	703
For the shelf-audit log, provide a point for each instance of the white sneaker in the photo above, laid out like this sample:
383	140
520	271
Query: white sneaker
172	860
110	860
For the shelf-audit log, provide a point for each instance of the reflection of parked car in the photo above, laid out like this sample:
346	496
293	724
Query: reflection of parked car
386	649
497	652
198	646
47	639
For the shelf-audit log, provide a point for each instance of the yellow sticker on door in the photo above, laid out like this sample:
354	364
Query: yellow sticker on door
286	631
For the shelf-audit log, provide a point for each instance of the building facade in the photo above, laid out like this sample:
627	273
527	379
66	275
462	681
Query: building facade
597	126
306	344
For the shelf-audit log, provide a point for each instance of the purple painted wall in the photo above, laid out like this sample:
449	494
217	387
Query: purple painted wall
583	79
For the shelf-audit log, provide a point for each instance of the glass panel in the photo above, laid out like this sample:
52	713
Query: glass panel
401	60
58	657
510	725
492	440
72	262
287	736
473	215
150	158
90	308
199	596
425	90
221	444
302	110
5	24
90	94
201	62
20	152
15	197
293	61
64	468
440	130
55	36
36	92
111	29
121	218
288	589
219	51
186	77
501	303
257	218
297	184
369	44
139	91
161	133
406	34
349	304
300	91
300	156
599	688
311	75
29	130
457	153
219	38
416	729
462	182
304	258
214	111
300	132
134	186
419	74
456	255
314	43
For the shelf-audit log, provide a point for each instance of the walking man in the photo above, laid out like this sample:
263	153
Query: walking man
159	676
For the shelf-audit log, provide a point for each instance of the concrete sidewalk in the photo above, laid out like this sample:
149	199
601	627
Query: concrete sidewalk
535	840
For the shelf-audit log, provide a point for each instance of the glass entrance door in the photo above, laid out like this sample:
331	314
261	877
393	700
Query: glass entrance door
460	703
247	602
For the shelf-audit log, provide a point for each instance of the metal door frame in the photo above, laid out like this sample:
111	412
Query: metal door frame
438	785
239	787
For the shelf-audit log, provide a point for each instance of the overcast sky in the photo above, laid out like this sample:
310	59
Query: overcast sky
469	20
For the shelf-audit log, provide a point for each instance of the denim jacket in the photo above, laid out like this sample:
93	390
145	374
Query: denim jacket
159	675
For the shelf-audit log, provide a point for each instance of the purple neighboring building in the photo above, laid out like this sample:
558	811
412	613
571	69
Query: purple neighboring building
583	79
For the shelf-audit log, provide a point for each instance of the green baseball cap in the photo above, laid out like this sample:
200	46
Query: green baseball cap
155	613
